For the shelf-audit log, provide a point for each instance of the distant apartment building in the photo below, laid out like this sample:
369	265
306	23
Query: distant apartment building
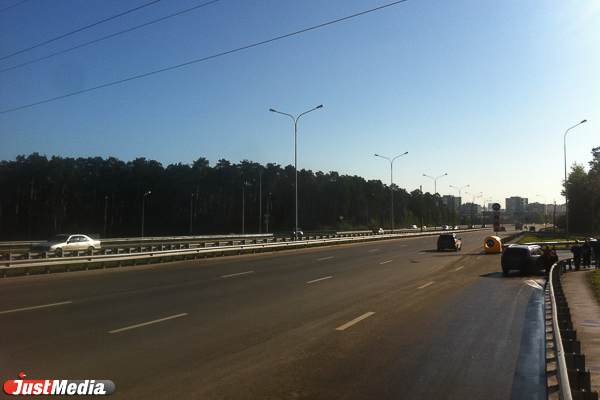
468	208
452	202
538	208
516	204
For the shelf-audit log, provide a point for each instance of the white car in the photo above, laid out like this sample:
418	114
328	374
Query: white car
67	242
412	227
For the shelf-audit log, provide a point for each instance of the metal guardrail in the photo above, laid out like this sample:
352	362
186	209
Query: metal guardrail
193	252
573	380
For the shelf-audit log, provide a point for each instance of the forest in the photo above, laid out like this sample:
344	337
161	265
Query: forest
41	197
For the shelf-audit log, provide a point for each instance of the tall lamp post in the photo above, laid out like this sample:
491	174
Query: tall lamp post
482	210
566	185
545	209
473	202
435	191
459	190
296	155
143	209
191	212
392	183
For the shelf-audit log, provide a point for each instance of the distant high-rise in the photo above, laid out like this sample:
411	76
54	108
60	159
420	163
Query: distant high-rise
452	202
516	204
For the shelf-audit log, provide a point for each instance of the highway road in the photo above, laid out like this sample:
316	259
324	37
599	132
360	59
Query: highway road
391	319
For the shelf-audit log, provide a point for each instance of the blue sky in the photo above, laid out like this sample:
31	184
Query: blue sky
481	90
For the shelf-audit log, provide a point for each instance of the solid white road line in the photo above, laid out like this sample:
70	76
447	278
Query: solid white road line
425	285
385	262
322	279
321	259
354	321
147	323
32	308
241	273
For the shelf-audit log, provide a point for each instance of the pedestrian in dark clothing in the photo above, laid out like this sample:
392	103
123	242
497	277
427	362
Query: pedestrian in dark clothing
550	258
586	254
577	250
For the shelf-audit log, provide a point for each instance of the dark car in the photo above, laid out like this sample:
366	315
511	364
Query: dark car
449	241
502	229
378	231
522	257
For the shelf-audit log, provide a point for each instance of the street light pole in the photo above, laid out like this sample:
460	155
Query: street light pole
296	155
473	202
435	192
459	190
191	212
143	210
566	185
545	209
392	183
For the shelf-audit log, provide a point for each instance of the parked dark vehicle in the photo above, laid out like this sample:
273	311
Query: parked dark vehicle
521	257
449	241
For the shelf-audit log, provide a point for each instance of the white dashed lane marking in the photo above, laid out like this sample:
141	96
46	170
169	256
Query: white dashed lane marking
33	308
425	285
147	323
354	321
321	279
240	273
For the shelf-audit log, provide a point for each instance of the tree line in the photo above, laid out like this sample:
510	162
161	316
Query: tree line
583	190
41	197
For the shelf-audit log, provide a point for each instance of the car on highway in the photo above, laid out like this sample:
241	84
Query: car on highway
378	231
532	228
502	229
449	241
522	257
412	227
64	242
299	233
445	227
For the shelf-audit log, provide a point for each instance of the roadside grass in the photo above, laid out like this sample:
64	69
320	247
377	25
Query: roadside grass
532	238
595	281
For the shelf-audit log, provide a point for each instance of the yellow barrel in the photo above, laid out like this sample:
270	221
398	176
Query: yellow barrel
492	244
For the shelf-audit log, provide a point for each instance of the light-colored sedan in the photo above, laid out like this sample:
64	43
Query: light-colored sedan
61	243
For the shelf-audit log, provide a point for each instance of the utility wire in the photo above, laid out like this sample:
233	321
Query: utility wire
14	5
107	37
205	58
78	30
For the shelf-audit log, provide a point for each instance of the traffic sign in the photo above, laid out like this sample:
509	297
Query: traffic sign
496	207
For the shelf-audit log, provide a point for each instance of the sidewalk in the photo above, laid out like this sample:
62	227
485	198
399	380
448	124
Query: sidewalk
585	313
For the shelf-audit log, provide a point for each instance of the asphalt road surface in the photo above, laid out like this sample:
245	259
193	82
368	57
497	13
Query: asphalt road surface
391	319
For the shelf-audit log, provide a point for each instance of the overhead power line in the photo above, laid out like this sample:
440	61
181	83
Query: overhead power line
205	58
78	30
14	5
109	36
